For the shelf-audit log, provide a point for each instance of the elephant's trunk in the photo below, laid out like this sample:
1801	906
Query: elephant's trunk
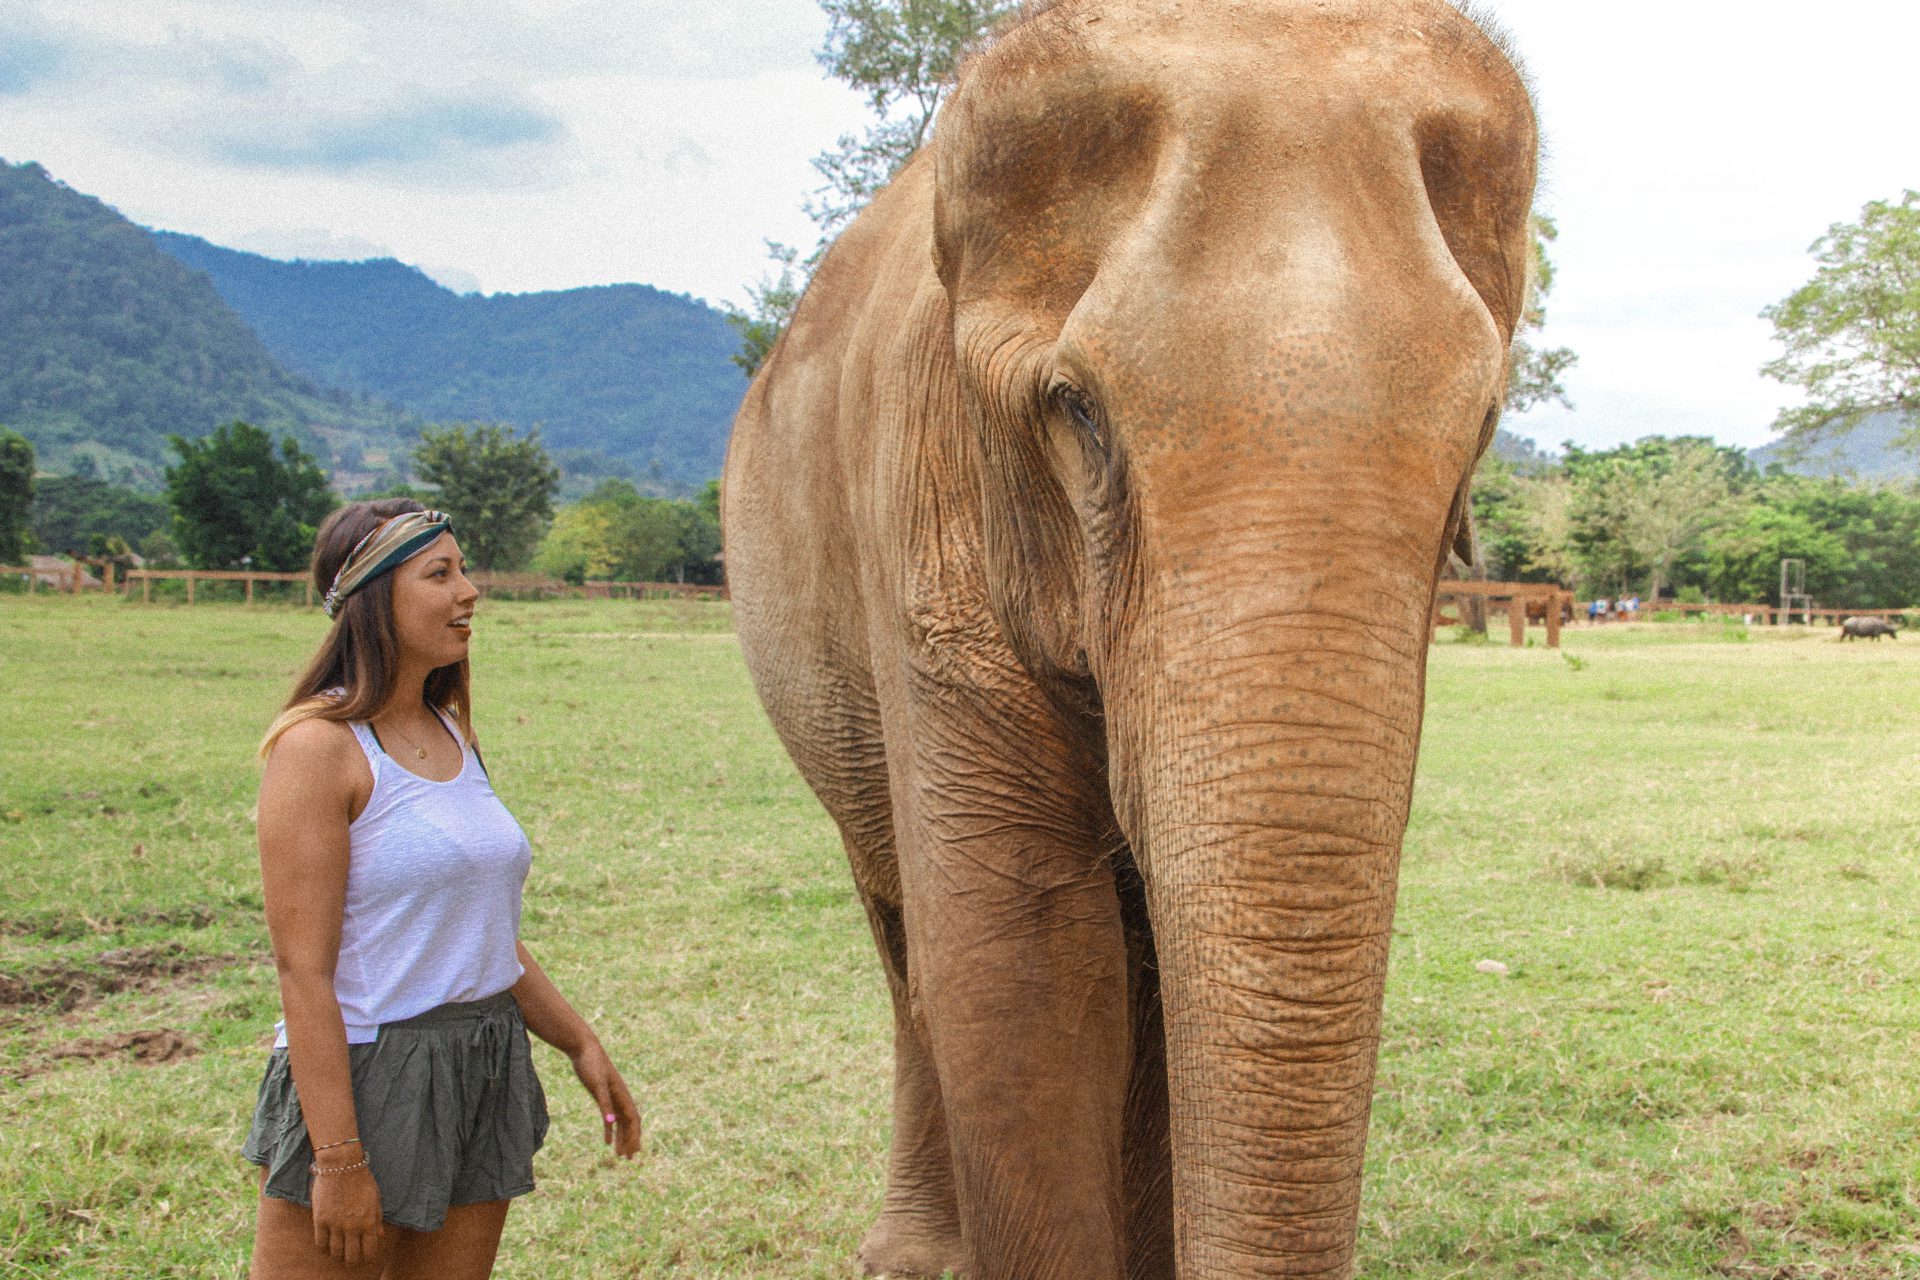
1264	774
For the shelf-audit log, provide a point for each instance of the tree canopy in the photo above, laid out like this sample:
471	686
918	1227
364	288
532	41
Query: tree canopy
71	514
902	54
16	495
615	534
1687	514
1533	372
770	305
497	486
235	499
1852	333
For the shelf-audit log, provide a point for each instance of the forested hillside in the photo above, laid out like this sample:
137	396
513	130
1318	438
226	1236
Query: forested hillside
621	379
108	345
1871	451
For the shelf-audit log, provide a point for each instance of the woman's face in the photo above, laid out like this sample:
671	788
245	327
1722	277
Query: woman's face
433	604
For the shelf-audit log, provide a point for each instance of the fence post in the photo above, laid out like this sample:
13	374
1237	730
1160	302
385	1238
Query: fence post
249	588
192	577
1553	621
1517	621
307	582
146	587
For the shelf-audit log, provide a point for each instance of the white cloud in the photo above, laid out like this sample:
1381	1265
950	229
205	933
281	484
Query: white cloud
310	242
539	144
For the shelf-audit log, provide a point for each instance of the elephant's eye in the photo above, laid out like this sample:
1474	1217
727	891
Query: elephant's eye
1084	415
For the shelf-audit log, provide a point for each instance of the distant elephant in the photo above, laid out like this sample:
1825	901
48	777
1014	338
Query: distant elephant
1083	530
1867	629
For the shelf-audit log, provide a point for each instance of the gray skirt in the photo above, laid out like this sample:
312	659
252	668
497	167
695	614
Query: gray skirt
449	1108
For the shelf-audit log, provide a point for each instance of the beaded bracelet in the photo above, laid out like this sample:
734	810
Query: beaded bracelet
316	1170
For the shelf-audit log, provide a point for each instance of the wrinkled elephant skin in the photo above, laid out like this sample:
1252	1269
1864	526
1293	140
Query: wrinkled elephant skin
1083	531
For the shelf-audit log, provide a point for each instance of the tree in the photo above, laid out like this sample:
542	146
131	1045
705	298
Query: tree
234	499
1877	524
1852	333
1533	373
69	511
580	547
1744	555
1640	507
769	310
1522	514
498	488
16	496
617	534
1546	513
902	54
159	550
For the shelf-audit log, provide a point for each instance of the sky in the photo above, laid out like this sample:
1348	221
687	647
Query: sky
1695	149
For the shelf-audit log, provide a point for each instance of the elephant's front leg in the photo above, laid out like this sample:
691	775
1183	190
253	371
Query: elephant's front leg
1020	964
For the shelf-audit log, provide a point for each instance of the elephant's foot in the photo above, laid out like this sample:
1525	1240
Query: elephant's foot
909	1245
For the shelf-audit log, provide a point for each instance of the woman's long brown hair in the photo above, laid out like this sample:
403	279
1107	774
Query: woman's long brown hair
361	654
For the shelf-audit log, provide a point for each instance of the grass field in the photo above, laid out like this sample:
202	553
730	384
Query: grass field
1692	848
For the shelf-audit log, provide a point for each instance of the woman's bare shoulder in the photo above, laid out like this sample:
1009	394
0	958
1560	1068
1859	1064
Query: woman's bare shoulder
317	750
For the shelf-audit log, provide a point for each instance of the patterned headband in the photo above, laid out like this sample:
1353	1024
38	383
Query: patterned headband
387	546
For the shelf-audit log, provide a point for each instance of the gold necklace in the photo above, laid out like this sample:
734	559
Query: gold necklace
418	750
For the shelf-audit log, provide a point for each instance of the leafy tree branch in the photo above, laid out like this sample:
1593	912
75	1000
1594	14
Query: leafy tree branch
1852	333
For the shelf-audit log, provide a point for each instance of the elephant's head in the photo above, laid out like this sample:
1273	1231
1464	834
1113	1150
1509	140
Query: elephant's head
1233	286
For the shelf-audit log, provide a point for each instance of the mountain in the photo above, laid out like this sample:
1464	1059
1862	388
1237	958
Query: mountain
1868	452
621	379
107	346
1522	452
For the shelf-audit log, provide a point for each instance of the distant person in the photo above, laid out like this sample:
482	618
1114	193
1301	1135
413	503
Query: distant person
1600	609
400	1111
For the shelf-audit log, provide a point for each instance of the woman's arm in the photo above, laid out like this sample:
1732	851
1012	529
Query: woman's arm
305	805
549	1016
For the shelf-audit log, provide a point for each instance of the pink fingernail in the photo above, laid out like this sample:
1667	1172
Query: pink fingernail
612	1118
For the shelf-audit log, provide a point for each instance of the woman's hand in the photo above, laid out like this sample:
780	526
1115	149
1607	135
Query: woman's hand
346	1212
550	1017
619	1114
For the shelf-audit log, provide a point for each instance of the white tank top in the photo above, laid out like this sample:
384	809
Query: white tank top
434	875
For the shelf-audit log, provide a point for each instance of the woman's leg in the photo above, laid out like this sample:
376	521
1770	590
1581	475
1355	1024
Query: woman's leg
462	1249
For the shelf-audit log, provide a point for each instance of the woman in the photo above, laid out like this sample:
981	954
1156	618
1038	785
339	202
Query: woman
400	1112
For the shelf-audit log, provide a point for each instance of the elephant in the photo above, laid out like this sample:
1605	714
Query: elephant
1082	531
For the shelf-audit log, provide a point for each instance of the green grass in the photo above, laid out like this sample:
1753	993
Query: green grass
1695	859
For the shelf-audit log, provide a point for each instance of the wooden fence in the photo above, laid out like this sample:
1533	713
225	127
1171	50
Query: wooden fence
75	578
193	577
1524	601
1543	600
1767	614
68	577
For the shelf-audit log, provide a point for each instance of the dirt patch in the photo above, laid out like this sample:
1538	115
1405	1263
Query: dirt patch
63	988
149	1048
